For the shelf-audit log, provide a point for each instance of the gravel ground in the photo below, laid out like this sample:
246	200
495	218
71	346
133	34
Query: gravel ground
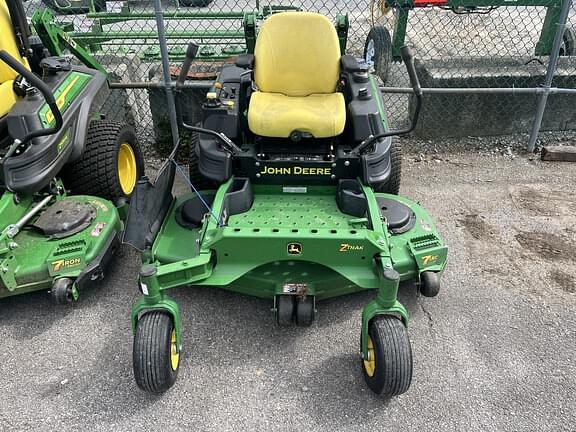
495	350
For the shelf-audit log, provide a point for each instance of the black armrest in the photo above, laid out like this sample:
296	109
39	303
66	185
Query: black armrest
245	61
350	64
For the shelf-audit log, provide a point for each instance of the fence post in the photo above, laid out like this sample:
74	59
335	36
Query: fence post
166	72
552	62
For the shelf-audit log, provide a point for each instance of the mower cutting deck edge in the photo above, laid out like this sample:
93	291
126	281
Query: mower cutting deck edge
290	174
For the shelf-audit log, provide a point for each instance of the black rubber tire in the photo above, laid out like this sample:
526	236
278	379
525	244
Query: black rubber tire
198	180
61	291
96	171
151	353
285	310
392	185
429	284
393	355
195	3
382	50
568	46
304	312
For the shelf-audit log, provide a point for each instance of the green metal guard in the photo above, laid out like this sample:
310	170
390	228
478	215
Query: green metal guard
218	44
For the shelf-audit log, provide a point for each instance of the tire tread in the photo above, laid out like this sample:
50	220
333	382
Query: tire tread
95	172
196	178
392	185
393	373
151	359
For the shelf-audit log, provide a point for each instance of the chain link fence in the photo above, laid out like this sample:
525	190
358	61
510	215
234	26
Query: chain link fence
477	44
482	44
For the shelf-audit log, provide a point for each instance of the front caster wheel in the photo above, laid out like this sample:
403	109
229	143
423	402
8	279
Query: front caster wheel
429	284
62	291
155	355
388	368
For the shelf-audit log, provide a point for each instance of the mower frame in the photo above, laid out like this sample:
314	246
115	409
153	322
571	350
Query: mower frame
361	257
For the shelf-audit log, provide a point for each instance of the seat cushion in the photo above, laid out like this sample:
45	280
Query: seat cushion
276	115
297	54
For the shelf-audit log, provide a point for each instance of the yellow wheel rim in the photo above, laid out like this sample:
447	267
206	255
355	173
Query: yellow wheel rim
370	363
174	354
127	168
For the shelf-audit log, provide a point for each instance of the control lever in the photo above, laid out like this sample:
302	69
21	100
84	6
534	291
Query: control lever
191	52
227	143
408	60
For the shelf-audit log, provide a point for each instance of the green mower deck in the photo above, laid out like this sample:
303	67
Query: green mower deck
259	238
32	261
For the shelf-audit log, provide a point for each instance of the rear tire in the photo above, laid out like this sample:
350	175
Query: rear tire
392	185
110	165
378	51
154	359
196	178
389	372
568	45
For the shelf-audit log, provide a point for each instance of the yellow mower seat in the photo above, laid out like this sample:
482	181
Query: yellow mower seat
296	70
7	98
277	115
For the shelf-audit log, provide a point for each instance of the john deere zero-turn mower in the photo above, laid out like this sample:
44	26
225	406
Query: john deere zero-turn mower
52	143
294	178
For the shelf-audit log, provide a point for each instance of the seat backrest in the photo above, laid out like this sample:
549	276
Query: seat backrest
297	54
8	44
